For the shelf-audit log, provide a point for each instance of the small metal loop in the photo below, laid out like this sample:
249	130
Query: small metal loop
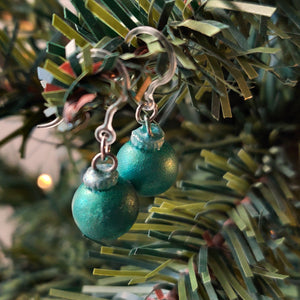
103	147
102	132
141	108
149	106
107	131
113	166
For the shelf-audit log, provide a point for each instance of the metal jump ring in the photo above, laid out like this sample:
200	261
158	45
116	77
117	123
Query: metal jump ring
103	148
101	133
107	155
138	111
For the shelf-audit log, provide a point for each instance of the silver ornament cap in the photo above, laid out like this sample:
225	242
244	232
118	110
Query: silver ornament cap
100	179
141	139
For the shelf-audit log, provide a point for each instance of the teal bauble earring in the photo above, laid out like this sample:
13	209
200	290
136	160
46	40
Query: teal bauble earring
147	161
105	206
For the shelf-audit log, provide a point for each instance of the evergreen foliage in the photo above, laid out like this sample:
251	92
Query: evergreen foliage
230	227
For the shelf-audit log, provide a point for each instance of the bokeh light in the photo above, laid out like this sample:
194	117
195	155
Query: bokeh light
45	182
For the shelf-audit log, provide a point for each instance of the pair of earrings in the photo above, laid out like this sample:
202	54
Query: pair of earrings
105	205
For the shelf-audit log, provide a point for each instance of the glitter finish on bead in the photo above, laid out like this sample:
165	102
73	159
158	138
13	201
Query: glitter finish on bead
141	139
105	214
151	171
100	179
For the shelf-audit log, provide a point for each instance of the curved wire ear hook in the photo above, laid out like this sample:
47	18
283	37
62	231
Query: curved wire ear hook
51	124
171	56
106	128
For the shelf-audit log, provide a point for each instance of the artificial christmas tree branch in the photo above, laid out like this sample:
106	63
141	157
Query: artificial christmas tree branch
205	49
229	230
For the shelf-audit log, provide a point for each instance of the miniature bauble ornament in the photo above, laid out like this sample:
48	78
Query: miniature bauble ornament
147	161
105	206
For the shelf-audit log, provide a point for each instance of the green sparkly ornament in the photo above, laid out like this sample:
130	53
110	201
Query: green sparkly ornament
105	206
147	161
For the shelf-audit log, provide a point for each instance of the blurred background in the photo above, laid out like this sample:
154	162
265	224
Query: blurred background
42	154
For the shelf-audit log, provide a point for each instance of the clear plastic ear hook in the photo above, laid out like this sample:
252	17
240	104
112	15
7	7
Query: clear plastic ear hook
150	103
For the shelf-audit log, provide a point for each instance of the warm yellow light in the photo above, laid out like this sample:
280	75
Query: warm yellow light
45	182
